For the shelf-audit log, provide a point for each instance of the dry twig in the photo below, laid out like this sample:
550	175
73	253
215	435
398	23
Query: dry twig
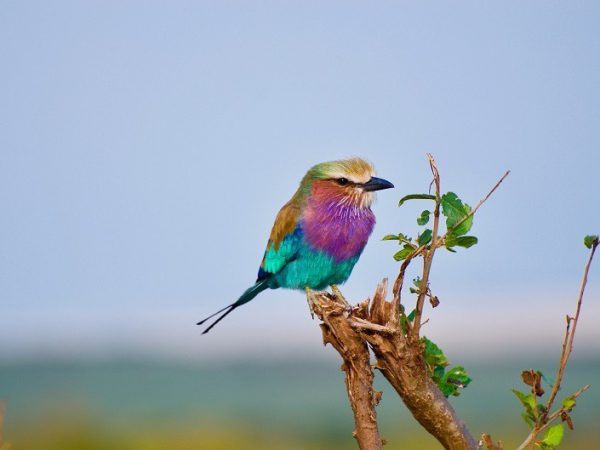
427	254
487	442
571	326
428	250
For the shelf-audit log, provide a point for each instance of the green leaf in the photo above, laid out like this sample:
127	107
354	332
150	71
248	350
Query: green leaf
417	283
402	254
541	409
438	373
527	400
449	382
397	237
531	412
528	419
568	403
447	389
458	373
416	197
406	239
466	241
460	241
433	355
457	378
450	242
404	319
425	237
424	217
455	211
589	240
554	435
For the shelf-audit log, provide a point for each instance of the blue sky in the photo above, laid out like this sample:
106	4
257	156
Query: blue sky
146	149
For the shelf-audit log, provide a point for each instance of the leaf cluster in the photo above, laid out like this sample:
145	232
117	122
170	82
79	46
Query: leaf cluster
538	415
535	413
459	221
590	240
449	381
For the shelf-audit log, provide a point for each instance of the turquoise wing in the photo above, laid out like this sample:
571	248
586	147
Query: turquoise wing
284	241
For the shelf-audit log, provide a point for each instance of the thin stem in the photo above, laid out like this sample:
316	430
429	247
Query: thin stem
428	253
530	440
364	325
474	210
397	289
567	347
428	250
570	334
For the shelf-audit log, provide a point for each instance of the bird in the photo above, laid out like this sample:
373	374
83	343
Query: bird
320	233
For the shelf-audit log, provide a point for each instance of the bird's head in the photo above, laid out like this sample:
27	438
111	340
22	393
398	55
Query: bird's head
348	181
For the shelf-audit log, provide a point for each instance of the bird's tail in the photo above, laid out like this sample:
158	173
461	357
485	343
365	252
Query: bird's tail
248	295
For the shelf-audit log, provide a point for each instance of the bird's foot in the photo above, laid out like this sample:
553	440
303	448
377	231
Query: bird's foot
312	302
338	294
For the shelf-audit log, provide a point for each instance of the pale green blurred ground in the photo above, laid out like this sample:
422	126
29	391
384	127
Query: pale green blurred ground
243	405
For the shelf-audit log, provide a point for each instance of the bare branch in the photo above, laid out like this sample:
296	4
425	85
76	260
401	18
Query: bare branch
428	253
401	363
570	332
364	325
474	210
339	332
567	347
487	442
532	437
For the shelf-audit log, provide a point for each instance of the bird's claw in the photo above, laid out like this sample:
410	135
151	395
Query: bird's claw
338	294
312	302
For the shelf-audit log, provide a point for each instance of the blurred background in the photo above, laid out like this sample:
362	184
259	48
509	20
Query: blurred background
146	148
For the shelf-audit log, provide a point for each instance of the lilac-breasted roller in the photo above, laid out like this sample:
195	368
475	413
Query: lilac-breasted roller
320	233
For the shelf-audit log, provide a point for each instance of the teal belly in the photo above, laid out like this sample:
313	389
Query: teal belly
315	270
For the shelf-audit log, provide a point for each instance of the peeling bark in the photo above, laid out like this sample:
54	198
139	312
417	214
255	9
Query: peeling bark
354	351
398	358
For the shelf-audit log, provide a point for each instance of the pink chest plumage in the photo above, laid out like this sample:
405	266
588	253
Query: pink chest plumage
340	230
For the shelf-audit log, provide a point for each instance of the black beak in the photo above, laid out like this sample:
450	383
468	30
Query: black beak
377	184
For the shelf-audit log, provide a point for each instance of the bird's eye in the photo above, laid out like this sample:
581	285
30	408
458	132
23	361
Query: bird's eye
342	181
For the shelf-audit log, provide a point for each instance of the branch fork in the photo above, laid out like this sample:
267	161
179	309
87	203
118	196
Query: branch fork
373	324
